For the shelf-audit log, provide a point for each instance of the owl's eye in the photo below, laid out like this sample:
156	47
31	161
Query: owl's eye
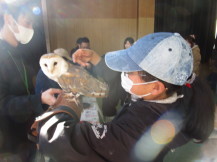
45	65
55	63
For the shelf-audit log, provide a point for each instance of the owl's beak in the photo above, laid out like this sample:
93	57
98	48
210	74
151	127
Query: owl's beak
50	70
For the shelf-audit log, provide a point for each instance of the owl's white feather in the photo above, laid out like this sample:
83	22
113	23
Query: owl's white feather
53	66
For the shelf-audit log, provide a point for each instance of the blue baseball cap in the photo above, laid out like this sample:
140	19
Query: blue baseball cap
167	56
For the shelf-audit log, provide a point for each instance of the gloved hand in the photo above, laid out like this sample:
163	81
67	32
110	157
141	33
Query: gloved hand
63	99
69	101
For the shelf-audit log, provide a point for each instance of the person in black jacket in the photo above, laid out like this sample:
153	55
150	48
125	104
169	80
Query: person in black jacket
173	107
18	104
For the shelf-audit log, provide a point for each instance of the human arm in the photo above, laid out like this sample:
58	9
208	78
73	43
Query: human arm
86	56
61	130
112	78
43	83
16	103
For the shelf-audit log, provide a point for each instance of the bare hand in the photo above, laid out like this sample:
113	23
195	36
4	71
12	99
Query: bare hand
47	97
84	56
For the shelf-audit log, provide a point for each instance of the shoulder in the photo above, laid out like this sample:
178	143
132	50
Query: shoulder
195	48
141	113
150	111
151	107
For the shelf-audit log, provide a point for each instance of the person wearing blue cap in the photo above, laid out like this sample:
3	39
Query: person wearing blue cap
173	106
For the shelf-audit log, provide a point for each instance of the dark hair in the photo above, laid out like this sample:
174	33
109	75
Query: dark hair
200	113
82	39
14	10
170	87
191	40
200	106
85	40
129	39
78	41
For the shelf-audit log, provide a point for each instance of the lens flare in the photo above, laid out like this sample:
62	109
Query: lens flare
163	131
154	139
10	1
36	10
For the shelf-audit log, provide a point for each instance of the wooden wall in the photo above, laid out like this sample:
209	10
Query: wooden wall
146	10
105	22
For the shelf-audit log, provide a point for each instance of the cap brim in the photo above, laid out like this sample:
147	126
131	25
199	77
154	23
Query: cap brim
120	61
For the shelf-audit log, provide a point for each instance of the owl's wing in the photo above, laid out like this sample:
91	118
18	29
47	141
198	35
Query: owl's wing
78	80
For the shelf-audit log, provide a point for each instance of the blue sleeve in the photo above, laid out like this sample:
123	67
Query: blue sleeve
43	83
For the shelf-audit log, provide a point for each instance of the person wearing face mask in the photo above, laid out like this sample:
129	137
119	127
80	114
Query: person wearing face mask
18	104
174	106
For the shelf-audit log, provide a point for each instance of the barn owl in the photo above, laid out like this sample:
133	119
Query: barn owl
71	78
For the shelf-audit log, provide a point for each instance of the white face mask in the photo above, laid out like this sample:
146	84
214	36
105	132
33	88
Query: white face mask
127	84
25	34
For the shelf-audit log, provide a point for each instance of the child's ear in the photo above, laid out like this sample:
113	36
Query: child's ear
158	88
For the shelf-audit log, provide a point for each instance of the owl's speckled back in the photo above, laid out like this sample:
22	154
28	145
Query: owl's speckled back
78	80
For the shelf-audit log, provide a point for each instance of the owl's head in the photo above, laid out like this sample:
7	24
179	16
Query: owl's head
53	65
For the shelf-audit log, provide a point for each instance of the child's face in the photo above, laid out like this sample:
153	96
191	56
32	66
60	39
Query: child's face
142	89
156	89
84	45
127	45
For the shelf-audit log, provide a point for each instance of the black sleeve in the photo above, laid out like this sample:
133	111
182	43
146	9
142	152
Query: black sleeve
73	50
103	71
43	83
116	93
21	107
15	103
62	138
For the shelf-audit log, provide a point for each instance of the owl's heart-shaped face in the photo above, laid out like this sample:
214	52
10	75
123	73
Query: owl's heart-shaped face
53	65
